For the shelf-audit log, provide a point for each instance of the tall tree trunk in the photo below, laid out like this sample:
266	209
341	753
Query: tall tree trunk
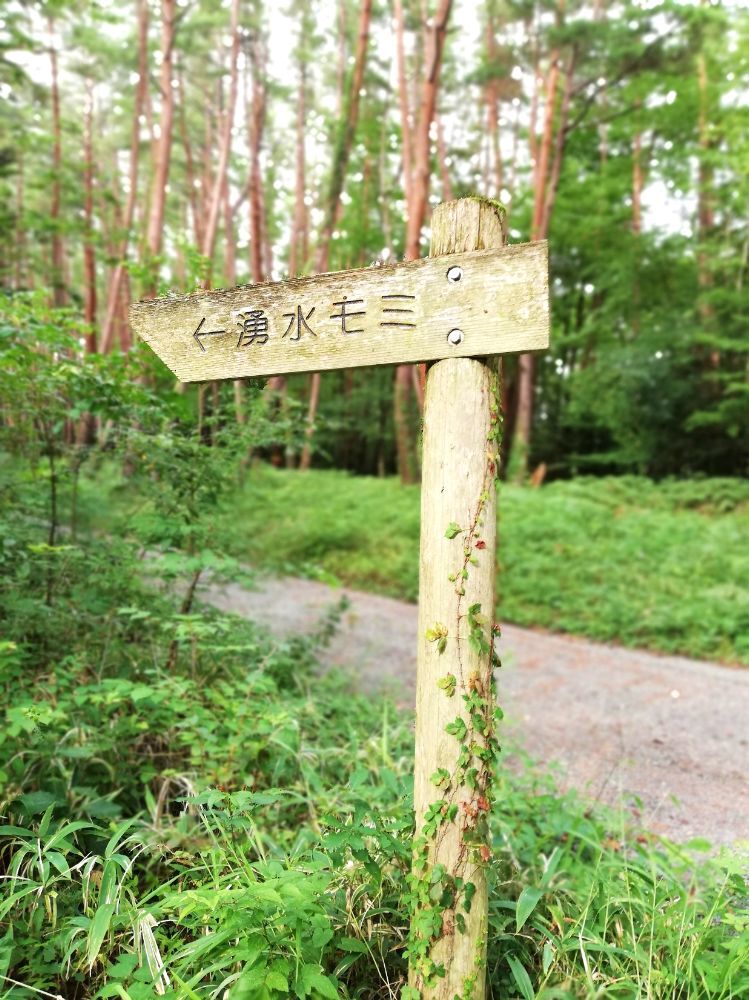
257	56
299	226
20	236
59	291
345	138
193	194
221	178
637	183
406	119
337	177
420	179
417	207
491	98
705	202
559	142
155	233
546	176
114	297
447	188
89	254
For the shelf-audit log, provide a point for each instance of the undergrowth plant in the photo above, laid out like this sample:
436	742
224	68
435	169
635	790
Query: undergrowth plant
190	808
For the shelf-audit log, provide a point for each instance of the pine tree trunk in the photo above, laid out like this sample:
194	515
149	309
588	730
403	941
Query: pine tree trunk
300	209
255	183
114	296
546	175
89	254
705	203
406	120
220	179
59	291
21	280
447	188
417	207
492	108
155	233
345	138
337	177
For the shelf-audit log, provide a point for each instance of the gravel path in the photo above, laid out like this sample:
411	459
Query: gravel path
624	726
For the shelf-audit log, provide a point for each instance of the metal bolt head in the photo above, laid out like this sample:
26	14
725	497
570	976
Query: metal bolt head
455	337
454	273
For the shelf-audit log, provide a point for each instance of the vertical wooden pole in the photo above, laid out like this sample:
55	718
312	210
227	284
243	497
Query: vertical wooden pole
455	747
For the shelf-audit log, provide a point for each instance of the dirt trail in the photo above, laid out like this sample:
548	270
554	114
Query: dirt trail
623	725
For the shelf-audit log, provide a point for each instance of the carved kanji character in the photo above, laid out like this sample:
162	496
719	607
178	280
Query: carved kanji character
346	312
397	305
253	327
301	321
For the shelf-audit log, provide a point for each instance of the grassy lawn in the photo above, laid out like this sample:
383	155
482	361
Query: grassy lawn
662	566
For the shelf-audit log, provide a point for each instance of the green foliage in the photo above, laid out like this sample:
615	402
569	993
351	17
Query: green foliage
621	559
191	809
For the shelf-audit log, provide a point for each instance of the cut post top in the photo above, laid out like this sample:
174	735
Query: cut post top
473	304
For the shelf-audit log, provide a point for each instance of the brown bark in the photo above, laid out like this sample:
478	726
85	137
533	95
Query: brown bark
193	194
406	119
230	253
21	279
299	226
637	183
491	96
337	177
705	202
345	138
257	55
221	177
436	32
559	141
544	152
314	396
89	254
447	188
341	64
401	396
546	177
420	178
513	173
59	291
114	296
155	231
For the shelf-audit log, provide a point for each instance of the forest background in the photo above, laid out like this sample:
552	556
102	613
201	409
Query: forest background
162	148
190	807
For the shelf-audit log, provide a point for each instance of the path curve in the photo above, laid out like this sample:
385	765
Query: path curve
623	725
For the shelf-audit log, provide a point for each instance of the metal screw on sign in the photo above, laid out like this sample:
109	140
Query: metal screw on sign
455	337
454	274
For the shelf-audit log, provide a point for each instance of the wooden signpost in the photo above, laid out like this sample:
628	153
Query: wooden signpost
473	299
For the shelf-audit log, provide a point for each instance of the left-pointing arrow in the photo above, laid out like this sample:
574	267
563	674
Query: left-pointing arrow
205	333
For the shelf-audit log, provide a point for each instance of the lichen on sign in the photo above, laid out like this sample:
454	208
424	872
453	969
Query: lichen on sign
410	312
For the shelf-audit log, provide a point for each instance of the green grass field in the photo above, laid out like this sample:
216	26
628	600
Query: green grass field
661	566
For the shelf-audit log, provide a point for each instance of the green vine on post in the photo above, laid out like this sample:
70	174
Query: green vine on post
440	898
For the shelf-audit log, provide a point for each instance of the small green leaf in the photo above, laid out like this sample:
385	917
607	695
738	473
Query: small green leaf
447	684
457	728
98	931
526	904
521	978
453	529
548	956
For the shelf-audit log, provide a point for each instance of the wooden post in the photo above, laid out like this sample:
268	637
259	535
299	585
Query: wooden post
455	747
471	298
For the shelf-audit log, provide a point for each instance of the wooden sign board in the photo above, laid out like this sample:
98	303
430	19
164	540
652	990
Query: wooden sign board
473	304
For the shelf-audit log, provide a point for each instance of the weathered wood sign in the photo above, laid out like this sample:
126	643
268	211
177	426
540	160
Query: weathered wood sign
473	304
